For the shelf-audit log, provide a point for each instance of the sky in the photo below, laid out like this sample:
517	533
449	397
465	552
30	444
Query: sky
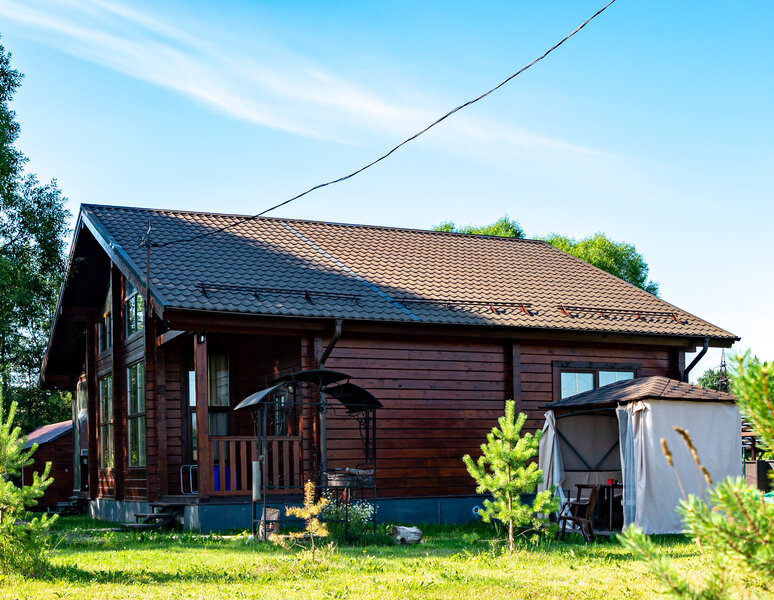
652	125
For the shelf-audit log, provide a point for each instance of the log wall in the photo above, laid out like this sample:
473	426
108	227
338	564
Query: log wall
442	396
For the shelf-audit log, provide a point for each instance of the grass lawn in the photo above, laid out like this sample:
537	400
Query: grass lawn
160	565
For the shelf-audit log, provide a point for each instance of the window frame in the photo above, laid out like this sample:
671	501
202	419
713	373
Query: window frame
134	309
136	418
106	423
563	366
105	326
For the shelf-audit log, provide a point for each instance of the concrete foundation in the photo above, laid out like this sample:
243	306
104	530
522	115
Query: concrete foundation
213	517
119	511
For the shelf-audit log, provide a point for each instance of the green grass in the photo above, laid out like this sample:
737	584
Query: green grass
181	565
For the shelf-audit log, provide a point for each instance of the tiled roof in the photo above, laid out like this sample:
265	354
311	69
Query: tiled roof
379	273
48	433
642	388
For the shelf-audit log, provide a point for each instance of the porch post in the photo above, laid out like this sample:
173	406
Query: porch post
202	416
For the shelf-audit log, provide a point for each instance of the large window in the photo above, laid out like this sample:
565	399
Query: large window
106	422
135	414
133	308
105	326
219	400
575	378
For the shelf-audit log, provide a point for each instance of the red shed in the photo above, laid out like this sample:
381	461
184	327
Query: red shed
55	445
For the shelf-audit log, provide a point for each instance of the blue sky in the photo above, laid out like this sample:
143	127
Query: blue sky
654	124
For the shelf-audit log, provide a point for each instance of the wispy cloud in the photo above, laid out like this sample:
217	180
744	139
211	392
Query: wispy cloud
293	95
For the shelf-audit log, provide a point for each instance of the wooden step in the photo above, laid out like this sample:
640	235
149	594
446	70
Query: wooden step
142	525
156	515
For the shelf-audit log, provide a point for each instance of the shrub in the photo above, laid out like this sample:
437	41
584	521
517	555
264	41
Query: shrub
23	540
504	470
360	513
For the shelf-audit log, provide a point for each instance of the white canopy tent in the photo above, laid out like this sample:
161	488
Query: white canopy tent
615	432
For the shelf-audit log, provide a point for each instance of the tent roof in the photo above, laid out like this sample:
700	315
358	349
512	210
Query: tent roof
48	433
642	388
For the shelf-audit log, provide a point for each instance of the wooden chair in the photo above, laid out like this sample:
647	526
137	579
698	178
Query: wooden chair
580	512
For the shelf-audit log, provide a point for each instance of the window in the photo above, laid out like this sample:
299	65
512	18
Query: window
106	422
218	398
192	414
105	327
577	377
135	414
133	308
575	382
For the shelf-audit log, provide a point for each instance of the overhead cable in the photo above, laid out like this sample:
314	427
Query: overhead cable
241	220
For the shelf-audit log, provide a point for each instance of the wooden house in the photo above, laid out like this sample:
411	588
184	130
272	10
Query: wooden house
55	445
166	337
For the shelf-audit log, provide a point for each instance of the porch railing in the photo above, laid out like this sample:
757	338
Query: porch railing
232	459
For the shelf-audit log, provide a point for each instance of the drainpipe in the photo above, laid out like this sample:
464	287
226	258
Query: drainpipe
698	357
324	406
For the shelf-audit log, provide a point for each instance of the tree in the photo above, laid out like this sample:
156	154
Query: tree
310	513
503	227
710	379
618	258
733	530
504	470
33	223
22	539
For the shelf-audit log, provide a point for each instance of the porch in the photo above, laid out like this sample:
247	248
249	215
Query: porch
239	446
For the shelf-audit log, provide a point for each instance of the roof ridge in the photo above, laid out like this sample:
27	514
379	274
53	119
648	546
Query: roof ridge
316	222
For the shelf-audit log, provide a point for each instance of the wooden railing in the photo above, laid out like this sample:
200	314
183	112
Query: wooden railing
232	459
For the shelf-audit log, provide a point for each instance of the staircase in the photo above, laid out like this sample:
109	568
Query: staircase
165	514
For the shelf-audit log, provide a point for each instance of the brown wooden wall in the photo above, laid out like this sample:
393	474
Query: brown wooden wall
442	396
59	453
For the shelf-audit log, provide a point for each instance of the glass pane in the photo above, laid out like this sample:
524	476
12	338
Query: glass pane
575	383
141	387
608	377
132	435
218	423
191	388
193	436
218	375
141	437
132	389
140	317
109	398
110	445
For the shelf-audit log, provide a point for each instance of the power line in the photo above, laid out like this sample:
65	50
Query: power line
394	148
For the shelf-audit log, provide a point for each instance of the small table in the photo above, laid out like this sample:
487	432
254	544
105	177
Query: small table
606	498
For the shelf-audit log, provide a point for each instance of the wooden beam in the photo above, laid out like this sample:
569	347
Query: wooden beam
169	336
202	417
120	466
222	322
516	374
91	411
159	383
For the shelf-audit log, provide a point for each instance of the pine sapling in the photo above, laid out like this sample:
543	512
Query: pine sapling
506	471
310	513
22	543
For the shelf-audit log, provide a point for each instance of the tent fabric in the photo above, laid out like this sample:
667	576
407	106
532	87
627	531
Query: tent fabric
715	430
651	492
626	448
550	459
